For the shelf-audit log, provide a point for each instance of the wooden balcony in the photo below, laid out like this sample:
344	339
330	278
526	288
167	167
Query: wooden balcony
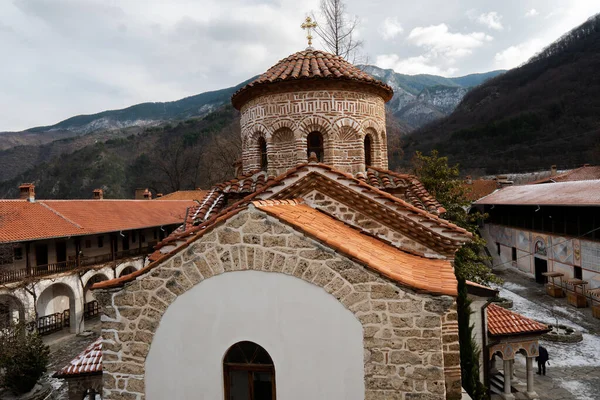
16	275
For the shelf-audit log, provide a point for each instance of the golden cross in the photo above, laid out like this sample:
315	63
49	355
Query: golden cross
308	25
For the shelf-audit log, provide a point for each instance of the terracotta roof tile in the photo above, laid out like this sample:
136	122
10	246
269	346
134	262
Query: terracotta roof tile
21	220
310	64
429	275
479	188
414	191
505	322
88	362
184	195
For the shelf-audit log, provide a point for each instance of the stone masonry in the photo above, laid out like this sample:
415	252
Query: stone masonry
343	117
404	331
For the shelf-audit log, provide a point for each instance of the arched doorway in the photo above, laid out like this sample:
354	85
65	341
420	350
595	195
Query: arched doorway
127	270
314	143
91	309
56	309
248	372
11	310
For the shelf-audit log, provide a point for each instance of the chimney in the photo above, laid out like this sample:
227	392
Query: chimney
469	180
147	195
139	194
553	170
158	195
27	192
98	194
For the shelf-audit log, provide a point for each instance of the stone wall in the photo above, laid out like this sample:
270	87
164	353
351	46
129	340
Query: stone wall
343	117
451	348
79	386
355	218
402	330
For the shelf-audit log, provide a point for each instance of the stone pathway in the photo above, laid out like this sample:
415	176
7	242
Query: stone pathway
574	369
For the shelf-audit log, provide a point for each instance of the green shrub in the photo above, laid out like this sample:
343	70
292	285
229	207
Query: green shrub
23	358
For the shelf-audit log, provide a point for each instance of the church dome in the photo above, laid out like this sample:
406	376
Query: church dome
309	65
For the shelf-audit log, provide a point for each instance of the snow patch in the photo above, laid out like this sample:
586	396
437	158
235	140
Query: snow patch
577	388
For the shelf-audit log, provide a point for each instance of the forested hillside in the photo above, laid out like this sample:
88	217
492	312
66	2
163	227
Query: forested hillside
184	155
545	112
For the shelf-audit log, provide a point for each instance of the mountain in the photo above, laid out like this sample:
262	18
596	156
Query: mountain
68	158
140	115
544	112
420	99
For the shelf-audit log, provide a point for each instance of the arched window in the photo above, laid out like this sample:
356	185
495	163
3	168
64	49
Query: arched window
367	150
262	145
314	142
249	373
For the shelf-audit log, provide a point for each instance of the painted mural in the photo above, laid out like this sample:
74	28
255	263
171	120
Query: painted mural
523	240
563	249
540	246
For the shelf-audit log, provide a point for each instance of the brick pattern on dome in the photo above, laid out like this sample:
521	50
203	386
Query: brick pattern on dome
312	64
89	361
505	322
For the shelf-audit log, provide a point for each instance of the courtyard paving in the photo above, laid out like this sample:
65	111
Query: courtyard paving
574	369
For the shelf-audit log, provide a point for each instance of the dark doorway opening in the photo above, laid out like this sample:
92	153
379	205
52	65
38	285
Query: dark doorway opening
541	266
126	241
61	251
262	144
41	254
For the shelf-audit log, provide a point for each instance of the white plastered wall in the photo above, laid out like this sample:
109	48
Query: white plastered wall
316	344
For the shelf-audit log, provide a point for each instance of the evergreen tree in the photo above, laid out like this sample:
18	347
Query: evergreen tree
470	263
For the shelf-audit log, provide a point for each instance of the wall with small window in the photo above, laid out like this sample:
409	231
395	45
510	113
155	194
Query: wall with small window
319	357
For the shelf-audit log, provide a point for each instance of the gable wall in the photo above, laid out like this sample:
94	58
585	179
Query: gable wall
402	330
355	218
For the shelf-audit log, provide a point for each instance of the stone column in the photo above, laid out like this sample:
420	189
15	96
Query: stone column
507	375
530	392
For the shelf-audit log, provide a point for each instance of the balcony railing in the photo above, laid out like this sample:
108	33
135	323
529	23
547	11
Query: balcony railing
71	264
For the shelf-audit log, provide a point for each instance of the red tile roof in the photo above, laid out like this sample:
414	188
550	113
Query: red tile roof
429	275
88	362
309	65
503	322
21	220
184	195
414	191
579	193
585	173
479	188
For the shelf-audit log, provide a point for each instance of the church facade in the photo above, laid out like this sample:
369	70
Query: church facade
316	273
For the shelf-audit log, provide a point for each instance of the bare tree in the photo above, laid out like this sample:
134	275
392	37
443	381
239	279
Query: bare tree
337	29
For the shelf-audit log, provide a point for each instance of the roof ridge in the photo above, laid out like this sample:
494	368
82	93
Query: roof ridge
60	215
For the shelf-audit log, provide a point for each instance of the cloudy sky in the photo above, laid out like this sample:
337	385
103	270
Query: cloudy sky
66	57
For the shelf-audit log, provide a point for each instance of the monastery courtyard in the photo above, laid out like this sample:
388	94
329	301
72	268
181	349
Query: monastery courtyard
573	372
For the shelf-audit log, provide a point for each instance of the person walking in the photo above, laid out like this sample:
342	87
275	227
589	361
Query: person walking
542	359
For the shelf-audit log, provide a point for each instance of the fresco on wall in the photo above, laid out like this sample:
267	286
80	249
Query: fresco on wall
563	250
524	240
504	236
540	246
576	252
590	255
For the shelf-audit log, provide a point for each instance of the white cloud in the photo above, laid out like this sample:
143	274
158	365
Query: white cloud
413	65
390	28
532	13
517	55
492	20
439	40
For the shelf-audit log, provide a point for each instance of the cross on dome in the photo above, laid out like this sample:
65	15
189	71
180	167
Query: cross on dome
308	25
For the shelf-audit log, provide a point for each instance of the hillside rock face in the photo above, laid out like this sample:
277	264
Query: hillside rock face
421	99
